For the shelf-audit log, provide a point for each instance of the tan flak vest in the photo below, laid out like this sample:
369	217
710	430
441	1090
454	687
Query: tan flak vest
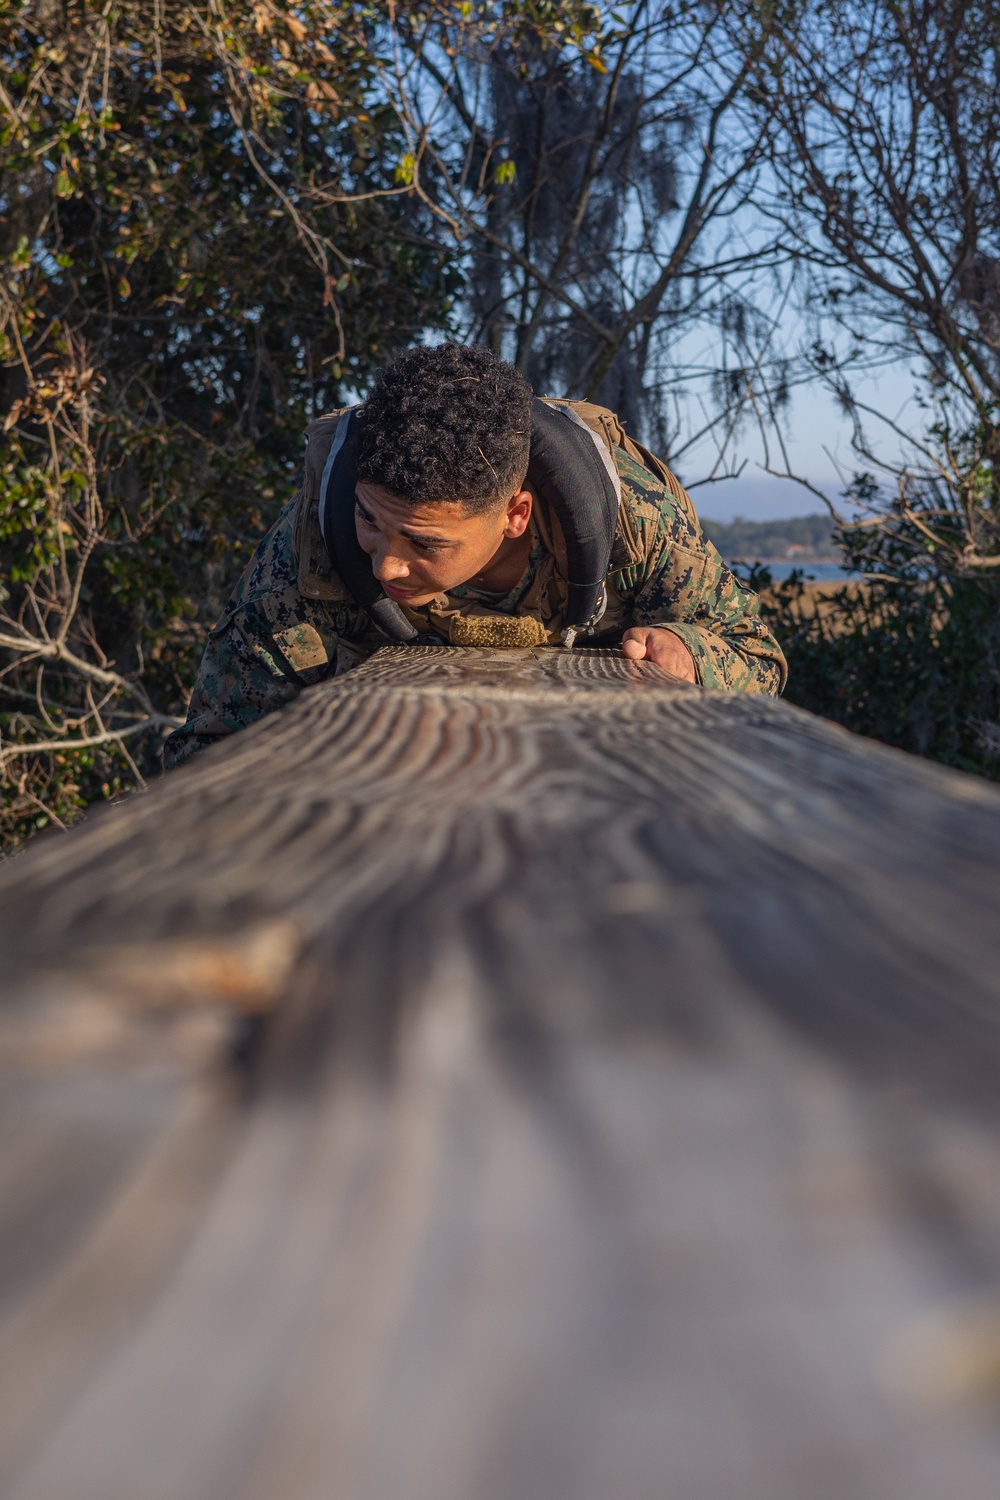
470	622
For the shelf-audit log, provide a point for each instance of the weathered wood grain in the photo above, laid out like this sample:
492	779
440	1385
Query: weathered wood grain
617	1112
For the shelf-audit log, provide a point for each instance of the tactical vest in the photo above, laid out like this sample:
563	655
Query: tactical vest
580	520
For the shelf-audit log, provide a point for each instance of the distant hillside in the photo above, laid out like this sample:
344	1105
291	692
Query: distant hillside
805	538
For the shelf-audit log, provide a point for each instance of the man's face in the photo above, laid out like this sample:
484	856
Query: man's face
419	551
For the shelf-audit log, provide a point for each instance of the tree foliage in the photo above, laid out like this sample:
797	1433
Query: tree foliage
587	164
911	663
883	139
175	306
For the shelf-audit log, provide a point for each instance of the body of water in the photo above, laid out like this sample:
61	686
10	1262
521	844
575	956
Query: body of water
822	572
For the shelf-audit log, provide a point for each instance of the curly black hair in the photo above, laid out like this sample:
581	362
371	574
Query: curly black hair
447	423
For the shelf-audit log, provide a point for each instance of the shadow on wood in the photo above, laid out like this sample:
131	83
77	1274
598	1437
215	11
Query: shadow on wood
507	1076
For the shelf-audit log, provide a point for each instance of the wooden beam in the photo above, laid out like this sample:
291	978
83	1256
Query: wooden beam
610	1107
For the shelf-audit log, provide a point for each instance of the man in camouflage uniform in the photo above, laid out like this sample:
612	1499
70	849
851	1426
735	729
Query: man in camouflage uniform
486	569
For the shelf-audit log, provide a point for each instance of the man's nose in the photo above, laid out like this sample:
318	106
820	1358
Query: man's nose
387	568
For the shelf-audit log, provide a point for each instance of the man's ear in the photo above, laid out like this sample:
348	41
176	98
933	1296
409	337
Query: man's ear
518	513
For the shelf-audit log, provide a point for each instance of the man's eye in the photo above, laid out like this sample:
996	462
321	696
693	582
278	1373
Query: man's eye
429	549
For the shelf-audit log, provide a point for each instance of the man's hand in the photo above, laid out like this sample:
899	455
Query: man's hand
668	651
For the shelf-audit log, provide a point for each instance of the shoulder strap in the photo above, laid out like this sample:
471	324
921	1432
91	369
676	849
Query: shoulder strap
606	424
578	480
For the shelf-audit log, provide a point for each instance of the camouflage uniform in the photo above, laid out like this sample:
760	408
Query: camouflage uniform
291	622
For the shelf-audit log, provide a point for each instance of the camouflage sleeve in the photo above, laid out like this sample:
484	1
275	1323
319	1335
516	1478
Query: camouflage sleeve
688	589
273	640
251	668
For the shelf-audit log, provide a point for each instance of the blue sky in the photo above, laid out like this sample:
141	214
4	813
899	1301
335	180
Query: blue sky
819	447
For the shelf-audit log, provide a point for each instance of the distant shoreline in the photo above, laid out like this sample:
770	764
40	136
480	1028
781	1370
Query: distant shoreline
804	541
797	562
